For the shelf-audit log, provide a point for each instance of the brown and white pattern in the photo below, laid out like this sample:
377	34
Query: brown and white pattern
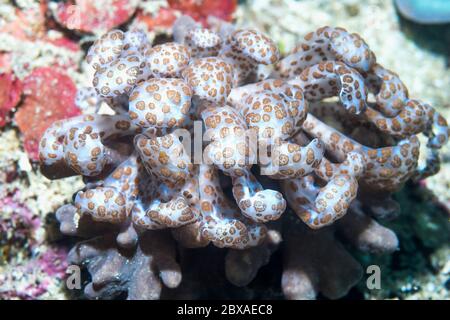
210	78
160	103
120	76
245	50
329	79
319	207
326	44
269	134
77	143
167	60
232	154
223	223
201	42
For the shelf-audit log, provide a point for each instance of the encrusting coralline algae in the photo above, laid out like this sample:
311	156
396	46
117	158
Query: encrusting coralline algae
334	163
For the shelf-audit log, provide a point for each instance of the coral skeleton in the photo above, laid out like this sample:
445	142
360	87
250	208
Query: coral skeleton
336	134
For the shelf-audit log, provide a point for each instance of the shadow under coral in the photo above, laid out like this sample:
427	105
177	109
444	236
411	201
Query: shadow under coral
423	230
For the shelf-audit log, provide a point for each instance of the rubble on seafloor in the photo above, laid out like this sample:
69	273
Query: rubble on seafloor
420	270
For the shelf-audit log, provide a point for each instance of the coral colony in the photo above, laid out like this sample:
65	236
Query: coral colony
217	140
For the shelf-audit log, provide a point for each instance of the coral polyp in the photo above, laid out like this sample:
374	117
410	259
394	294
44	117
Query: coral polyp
215	138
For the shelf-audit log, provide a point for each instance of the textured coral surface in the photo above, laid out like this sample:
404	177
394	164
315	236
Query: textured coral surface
304	222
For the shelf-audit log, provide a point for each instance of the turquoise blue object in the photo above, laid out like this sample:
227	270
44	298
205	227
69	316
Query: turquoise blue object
425	11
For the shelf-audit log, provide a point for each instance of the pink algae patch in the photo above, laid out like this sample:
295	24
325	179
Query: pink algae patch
94	16
10	93
201	9
49	96
197	9
163	19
